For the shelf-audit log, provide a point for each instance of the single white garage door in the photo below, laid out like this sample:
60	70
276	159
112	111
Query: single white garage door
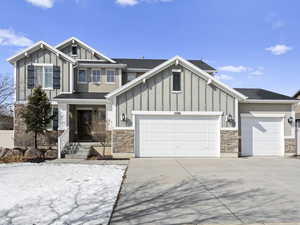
262	136
177	136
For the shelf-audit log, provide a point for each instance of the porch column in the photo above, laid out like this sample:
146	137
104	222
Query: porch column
63	116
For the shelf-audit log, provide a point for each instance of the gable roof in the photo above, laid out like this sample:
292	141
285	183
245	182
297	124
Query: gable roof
262	94
151	63
37	46
186	64
60	45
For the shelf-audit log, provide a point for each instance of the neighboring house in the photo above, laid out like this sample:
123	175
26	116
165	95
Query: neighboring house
150	108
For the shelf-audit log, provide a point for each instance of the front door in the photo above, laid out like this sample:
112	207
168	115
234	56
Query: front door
85	125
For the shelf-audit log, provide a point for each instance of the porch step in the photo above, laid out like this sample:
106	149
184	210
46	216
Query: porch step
78	150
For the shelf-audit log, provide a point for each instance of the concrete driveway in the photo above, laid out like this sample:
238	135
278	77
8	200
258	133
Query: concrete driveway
210	191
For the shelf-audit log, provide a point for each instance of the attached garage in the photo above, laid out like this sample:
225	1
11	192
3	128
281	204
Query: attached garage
172	135
262	134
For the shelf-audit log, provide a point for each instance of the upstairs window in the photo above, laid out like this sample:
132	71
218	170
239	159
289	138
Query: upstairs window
111	74
131	76
96	76
74	50
43	76
82	76
176	80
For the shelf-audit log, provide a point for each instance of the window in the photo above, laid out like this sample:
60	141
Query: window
43	75
176	81
53	125
111	76
82	76
131	76
96	76
74	50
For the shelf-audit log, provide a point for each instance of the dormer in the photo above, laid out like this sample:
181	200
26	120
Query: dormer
80	51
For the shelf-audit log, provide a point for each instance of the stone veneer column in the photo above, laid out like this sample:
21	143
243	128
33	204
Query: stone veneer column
229	143
123	141
290	146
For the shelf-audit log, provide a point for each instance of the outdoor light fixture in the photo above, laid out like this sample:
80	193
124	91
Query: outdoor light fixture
123	118
290	119
229	118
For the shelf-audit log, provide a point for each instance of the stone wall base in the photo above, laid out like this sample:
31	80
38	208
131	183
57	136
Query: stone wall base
123	155
123	141
290	146
229	142
229	155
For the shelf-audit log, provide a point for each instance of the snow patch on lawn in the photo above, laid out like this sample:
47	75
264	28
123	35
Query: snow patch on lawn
55	194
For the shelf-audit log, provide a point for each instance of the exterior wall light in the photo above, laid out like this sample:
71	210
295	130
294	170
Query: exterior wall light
229	118
290	119
123	117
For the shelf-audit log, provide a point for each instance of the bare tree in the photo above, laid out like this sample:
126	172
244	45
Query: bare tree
6	92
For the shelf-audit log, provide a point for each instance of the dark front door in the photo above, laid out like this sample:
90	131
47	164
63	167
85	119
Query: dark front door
85	125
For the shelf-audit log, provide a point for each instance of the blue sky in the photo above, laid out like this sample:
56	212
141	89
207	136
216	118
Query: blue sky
253	43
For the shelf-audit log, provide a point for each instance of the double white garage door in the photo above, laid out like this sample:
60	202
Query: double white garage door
178	135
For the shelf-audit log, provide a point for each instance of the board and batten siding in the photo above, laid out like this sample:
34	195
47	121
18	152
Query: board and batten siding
42	56
156	95
82	52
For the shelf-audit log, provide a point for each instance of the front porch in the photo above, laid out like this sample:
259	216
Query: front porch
84	125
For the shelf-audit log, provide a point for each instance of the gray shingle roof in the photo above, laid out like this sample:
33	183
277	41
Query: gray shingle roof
151	63
84	95
257	93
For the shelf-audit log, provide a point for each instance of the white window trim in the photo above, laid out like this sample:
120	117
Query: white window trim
106	72
181	84
43	65
74	45
83	82
95	82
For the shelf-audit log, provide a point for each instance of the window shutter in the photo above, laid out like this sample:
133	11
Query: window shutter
56	77
30	76
55	120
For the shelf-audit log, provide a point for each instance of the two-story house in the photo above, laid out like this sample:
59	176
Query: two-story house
149	107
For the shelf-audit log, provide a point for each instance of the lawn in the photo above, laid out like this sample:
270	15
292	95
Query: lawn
58	193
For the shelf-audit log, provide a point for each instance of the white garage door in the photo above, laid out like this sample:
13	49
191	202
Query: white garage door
177	136
262	136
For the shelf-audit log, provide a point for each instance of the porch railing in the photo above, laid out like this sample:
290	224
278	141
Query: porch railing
63	140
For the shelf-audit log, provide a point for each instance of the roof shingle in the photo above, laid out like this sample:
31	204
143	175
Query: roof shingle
258	93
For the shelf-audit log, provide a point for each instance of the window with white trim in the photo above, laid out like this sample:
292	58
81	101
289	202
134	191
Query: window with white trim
176	80
111	76
74	50
82	76
96	76
43	75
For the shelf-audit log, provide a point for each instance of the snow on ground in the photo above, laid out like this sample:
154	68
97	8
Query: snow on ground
54	194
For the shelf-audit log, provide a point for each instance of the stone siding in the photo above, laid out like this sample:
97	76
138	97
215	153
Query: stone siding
23	139
290	145
229	141
123	141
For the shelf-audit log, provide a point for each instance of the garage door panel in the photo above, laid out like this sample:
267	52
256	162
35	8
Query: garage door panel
262	136
178	136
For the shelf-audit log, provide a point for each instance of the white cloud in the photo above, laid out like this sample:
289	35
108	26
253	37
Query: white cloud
224	77
134	2
8	37
257	73
234	69
278	24
127	2
46	4
279	49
